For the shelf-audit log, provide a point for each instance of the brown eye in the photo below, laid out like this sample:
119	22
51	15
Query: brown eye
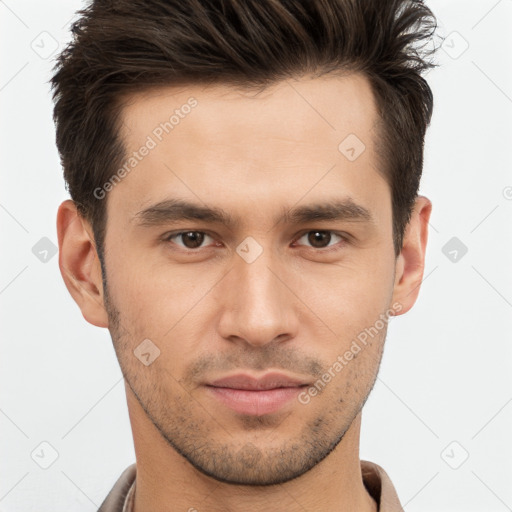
320	239
188	239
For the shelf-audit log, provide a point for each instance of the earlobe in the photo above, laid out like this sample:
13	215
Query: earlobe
410	264
79	264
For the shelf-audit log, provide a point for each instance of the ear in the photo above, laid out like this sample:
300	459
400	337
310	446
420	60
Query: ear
79	263
410	263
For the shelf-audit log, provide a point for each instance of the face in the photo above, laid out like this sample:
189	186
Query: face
245	242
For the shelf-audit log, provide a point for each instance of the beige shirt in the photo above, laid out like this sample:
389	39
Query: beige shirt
375	479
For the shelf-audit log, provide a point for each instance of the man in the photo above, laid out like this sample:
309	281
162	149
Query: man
245	221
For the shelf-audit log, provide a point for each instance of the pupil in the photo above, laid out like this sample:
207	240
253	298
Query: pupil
313	239
195	237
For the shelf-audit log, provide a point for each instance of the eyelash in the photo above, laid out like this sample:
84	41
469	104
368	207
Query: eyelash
344	239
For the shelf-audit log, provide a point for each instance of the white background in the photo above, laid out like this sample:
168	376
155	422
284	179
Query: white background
445	379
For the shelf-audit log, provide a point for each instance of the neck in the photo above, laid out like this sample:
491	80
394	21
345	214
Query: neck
164	477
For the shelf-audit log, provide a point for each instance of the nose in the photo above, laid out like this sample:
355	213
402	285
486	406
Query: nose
257	302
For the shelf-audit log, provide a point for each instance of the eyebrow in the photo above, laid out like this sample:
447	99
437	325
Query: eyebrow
173	210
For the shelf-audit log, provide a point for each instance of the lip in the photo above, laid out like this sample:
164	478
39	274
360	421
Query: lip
256	396
270	380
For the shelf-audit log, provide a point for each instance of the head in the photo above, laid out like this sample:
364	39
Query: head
244	180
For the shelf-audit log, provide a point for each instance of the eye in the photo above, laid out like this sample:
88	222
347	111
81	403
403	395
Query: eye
324	240
189	239
320	239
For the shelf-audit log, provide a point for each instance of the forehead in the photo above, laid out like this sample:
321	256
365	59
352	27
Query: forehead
247	147
316	105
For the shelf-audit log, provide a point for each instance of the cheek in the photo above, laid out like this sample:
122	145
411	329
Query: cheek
348	299
160	302
140	297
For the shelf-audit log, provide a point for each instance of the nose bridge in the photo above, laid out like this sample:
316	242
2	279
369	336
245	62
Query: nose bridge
257	305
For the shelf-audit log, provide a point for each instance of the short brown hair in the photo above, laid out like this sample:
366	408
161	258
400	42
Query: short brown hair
125	46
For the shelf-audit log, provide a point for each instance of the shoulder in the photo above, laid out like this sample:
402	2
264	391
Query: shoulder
381	488
114	502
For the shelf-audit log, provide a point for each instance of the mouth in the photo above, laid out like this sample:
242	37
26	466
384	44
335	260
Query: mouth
255	396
